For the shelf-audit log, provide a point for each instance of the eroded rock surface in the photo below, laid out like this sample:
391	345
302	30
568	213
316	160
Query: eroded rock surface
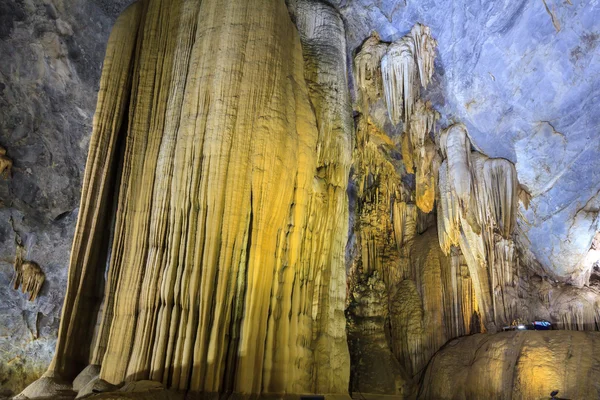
516	365
50	66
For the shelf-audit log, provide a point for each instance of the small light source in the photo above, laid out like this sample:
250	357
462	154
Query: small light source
521	327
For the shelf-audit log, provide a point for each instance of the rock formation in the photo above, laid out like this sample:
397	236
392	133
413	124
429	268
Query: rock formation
477	212
28	275
5	163
424	296
516	365
464	277
299	197
223	228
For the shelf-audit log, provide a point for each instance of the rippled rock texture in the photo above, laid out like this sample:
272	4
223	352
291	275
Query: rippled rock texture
220	230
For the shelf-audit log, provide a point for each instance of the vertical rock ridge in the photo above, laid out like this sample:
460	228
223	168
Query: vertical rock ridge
74	334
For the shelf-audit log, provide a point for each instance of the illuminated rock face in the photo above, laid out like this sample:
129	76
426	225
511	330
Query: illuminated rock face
403	288
516	365
229	149
212	249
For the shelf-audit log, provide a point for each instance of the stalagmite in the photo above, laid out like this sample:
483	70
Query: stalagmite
5	163
433	303
516	365
375	368
404	217
223	133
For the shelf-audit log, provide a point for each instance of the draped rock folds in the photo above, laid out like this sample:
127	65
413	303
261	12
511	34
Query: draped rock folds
28	275
477	212
229	150
397	72
407	65
402	287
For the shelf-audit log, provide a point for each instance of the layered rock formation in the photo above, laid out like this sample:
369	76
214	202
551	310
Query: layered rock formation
5	163
424	296
28	274
467	275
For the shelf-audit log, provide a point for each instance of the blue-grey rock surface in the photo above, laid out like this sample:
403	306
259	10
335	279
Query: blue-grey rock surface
524	77
51	55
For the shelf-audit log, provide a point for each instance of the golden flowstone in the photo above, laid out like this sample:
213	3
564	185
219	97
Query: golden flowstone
227	153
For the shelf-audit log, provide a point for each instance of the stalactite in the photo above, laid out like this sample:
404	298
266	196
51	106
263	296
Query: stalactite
501	189
448	215
477	210
27	274
367	69
398	68
406	67
422	153
5	163
396	232
458	152
425	47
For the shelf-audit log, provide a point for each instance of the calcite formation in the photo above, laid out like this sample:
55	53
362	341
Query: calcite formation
216	188
222	248
427	296
406	66
375	368
516	365
477	213
367	67
5	163
28	275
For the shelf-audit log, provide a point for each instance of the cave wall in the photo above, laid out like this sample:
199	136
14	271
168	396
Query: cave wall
522	77
50	67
